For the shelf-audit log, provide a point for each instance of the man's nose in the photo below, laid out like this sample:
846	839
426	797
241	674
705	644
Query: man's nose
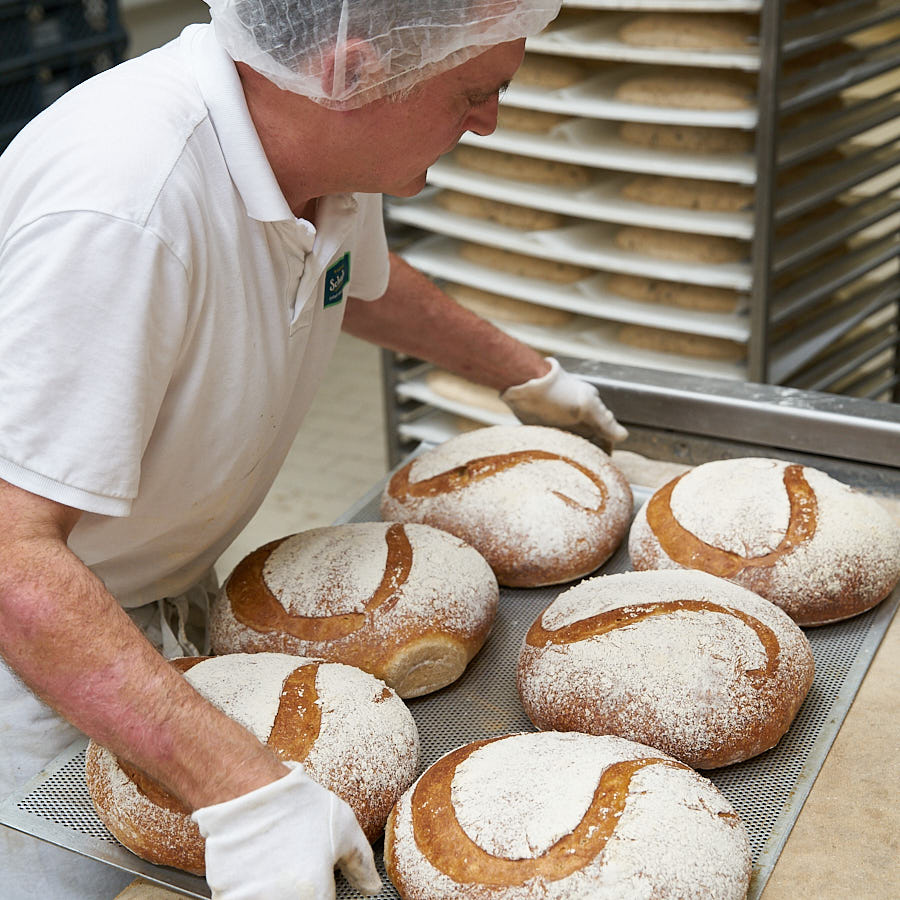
483	119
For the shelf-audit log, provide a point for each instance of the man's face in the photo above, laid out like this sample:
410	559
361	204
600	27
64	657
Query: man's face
406	136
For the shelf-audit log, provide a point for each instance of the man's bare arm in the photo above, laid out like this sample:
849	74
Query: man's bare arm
416	317
73	645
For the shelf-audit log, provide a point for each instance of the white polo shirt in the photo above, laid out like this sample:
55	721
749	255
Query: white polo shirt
165	320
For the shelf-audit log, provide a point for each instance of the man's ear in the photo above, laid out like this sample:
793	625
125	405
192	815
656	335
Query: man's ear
350	64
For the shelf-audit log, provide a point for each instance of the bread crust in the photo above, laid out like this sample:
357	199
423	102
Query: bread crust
407	603
732	674
792	534
483	822
541	505
352	734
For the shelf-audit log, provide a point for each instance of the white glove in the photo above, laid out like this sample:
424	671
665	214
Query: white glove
565	401
283	841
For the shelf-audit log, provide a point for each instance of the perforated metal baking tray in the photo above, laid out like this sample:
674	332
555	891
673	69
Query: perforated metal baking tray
768	791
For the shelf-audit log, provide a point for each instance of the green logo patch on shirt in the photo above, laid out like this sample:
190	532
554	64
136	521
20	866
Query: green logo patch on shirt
336	279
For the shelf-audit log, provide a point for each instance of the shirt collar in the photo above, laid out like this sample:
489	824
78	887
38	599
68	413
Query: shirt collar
221	89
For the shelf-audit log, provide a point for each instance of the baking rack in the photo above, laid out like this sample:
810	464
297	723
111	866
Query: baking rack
691	421
820	283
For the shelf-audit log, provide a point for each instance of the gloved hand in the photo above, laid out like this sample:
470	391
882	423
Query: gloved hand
563	400
283	841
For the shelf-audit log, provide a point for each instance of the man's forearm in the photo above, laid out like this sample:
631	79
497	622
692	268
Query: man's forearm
417	318
72	644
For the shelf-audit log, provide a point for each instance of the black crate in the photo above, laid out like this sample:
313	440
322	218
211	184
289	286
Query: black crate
47	48
32	31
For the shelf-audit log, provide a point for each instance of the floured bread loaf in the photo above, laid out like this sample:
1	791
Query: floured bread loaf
565	817
454	387
522	265
554	72
409	604
522	168
691	664
532	121
663	340
497	211
692	31
689	193
506	309
680	246
792	534
352	734
542	506
686	138
689	89
673	293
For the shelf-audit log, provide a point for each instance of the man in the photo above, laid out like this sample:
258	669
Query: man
181	240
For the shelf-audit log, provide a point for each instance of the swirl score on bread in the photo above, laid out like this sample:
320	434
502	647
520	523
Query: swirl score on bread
408	603
353	735
564	816
699	667
792	534
542	506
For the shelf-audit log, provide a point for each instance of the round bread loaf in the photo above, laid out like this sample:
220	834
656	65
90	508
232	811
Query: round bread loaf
553	72
689	89
510	214
533	121
691	664
680	246
792	534
691	31
542	506
673	293
352	734
506	309
522	168
686	138
408	603
664	340
553	816
689	193
522	265
457	389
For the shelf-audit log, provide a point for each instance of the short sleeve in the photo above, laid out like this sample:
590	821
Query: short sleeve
93	311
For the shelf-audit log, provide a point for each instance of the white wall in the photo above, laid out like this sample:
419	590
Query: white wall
150	23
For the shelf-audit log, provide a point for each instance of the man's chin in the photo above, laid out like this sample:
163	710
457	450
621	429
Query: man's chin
411	188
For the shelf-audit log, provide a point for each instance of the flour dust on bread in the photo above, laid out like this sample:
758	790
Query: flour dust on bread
553	816
408	603
352	734
543	506
691	664
810	544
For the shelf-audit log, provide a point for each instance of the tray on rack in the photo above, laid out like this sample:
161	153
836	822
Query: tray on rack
768	791
595	142
601	200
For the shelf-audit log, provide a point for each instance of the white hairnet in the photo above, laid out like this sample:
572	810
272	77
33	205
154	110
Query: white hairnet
345	53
